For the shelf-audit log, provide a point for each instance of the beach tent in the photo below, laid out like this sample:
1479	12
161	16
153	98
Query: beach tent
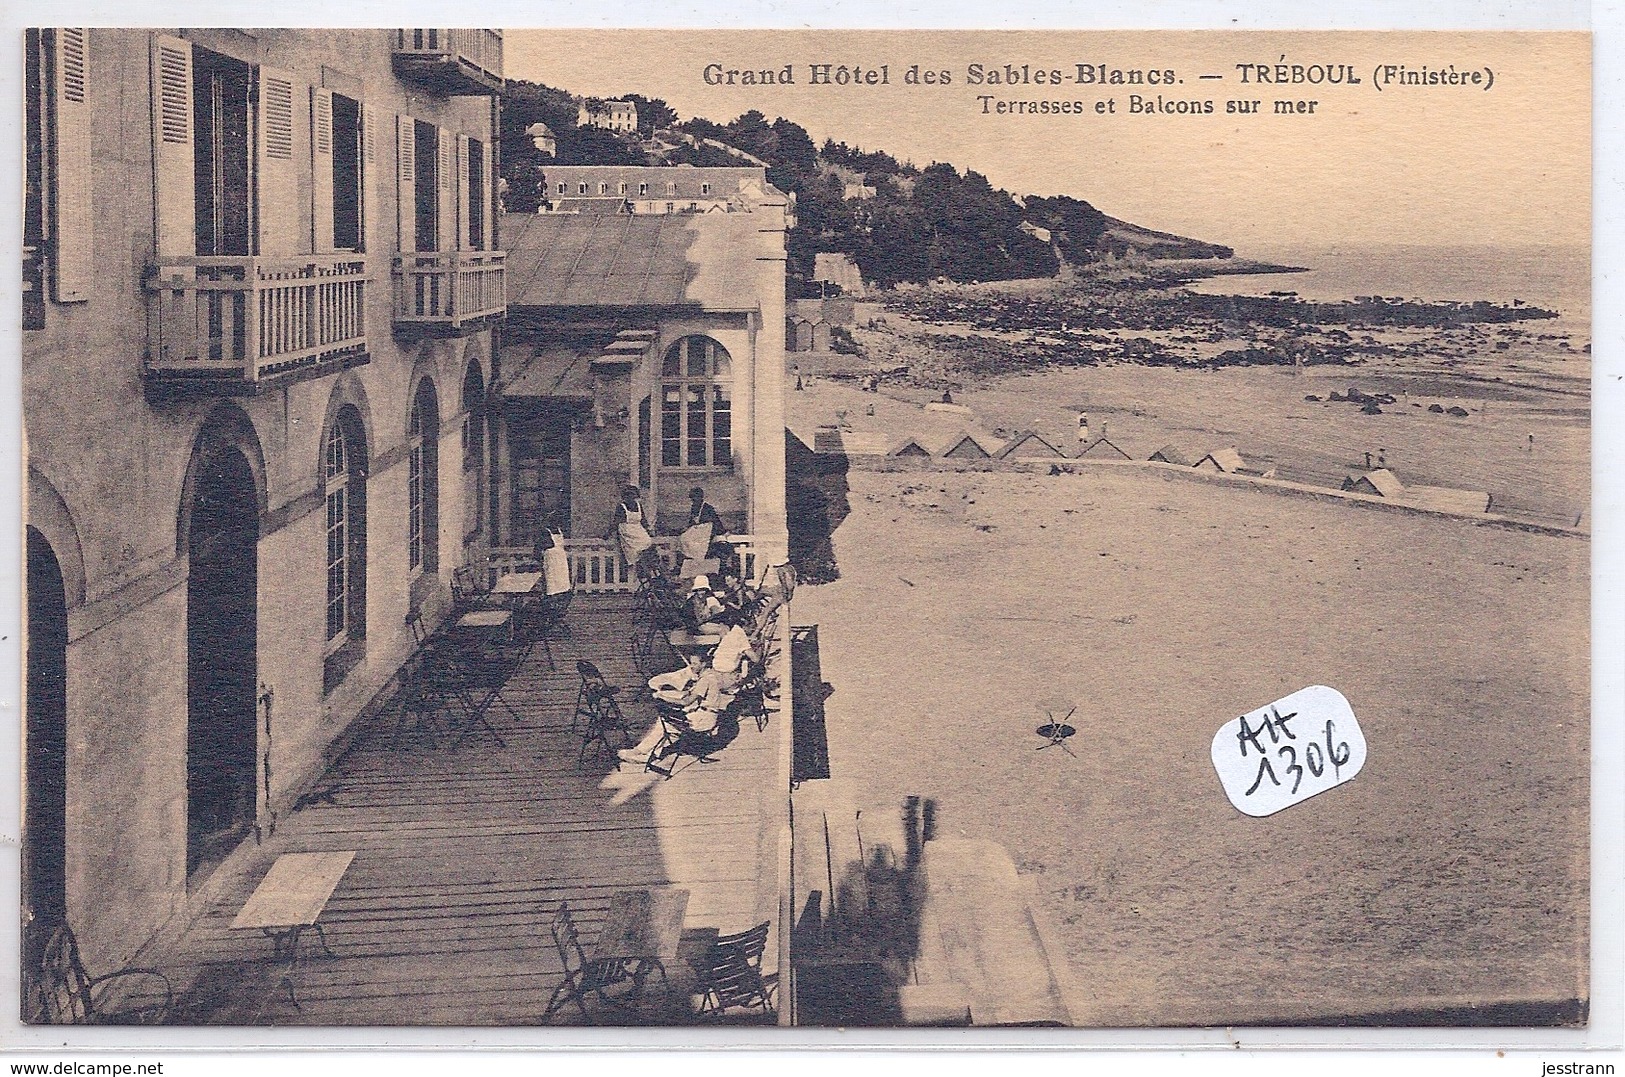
968	446
1030	445
1227	461
910	446
1176	454
1382	482
1101	449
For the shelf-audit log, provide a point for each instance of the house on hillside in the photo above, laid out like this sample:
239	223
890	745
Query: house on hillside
541	136
256	390
1040	234
645	349
840	270
1029	445
619	116
1177	454
1102	449
658	190
1225	461
808	322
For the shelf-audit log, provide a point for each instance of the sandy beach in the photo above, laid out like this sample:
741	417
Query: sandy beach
1452	871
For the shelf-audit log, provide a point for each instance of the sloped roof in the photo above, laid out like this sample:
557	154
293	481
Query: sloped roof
607	206
1226	460
557	371
622	260
1100	447
1029	443
911	446
1382	481
981	443
1177	454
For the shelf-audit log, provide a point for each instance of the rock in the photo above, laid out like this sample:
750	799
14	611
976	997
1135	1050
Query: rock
1312	398
1337	397
1437	409
1371	408
1458	412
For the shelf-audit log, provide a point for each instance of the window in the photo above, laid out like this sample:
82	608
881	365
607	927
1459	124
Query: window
473	452
347	197
671	188
603	188
427	184
221	151
671	207
475	188
643	189
423	482
623	188
581	188
696	410
705	188
562	188
345	493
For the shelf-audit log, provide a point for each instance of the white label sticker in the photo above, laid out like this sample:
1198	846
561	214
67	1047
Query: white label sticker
1285	753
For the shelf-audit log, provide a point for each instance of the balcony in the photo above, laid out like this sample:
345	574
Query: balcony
457	63
236	326
448	293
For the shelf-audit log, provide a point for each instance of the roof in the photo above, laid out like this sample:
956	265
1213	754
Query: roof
558	370
1100	447
1382	481
602	206
911	446
539	128
1226	460
705	261
1029	443
982	444
1177	454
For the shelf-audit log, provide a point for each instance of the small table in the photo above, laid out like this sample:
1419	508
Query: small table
682	639
517	583
485	625
642	929
290	899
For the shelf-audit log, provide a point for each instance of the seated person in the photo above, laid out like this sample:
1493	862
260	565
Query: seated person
703	609
734	653
703	525
702	702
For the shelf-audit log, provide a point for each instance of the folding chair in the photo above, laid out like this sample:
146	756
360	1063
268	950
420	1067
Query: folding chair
469	590
677	739
596	702
58	991
477	676
420	700
548	624
583	976
732	973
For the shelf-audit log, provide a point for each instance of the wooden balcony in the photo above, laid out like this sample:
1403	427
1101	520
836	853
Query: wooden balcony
457	63
448	293
596	565
236	326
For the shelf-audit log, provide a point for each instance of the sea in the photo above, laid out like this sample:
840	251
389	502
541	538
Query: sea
1554	277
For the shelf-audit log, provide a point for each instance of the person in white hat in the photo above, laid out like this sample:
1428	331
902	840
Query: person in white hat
705	608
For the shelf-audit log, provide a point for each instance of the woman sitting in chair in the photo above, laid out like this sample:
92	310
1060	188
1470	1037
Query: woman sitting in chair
696	692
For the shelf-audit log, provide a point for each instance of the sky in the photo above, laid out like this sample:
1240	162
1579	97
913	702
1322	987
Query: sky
1442	164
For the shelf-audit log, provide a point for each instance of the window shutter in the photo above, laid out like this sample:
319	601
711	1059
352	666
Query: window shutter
446	207
321	170
406	186
278	183
368	172
174	170
488	203
70	133
462	192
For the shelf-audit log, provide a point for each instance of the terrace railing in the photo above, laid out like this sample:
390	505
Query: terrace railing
467	61
239	320
450	289
596	565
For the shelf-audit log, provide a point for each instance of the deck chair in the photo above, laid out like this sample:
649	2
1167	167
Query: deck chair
731	975
600	710
58	991
419	702
582	976
678	738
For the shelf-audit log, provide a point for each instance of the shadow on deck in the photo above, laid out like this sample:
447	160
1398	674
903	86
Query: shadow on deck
463	855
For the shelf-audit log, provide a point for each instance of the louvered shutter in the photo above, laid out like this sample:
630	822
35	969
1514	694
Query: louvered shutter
406	185
446	208
462	193
278	220
70	132
321	170
173	167
488	199
368	174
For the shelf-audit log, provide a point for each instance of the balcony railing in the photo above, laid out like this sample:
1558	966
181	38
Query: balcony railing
454	62
449	290
233	323
596	565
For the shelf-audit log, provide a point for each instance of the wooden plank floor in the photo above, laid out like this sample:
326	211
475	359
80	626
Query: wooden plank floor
463	856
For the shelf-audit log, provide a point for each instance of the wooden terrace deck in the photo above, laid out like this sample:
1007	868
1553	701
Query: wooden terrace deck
463	856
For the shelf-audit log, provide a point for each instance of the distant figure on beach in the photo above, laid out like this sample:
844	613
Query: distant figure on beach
1368	461
1083	429
947	397
1531	443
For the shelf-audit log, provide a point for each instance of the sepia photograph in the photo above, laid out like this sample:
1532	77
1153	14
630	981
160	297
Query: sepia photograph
758	530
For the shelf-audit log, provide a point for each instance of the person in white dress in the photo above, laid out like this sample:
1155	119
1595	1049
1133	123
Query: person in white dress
631	528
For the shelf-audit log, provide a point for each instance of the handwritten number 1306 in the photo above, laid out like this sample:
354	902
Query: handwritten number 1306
1313	756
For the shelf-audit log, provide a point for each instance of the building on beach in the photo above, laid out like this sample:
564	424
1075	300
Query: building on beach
1029	445
271	407
1224	461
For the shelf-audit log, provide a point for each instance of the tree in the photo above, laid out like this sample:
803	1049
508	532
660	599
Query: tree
653	113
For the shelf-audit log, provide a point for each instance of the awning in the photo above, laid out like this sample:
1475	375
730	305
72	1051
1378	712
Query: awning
559	371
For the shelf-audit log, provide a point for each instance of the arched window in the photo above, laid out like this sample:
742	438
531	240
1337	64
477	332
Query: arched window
345	492
696	409
423	482
473	451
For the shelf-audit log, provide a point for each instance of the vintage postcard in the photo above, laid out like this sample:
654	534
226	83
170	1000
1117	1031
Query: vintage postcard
806	529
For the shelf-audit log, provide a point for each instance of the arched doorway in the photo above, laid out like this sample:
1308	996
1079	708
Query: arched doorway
474	441
221	654
46	780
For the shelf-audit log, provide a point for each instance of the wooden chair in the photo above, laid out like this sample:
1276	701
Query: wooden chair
469	590
58	991
731	975
583	976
